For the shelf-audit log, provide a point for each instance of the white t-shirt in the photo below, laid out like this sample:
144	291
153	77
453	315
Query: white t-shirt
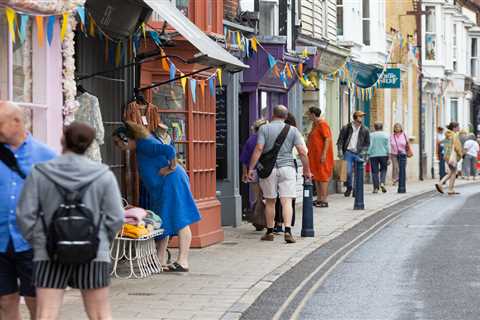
472	147
352	145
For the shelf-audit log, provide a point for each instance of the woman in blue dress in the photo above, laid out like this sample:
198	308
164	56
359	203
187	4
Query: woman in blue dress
168	186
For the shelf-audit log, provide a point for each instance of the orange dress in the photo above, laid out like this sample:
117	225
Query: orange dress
322	172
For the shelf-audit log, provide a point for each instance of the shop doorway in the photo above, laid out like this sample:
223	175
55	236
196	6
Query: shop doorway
244	133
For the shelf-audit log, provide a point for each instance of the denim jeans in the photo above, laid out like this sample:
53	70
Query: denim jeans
350	158
379	170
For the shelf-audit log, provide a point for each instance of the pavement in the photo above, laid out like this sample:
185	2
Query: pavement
225	279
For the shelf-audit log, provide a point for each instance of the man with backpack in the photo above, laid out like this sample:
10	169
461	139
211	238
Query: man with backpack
19	151
70	211
275	165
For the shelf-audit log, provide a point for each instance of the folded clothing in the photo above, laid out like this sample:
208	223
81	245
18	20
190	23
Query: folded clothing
134	232
153	220
134	215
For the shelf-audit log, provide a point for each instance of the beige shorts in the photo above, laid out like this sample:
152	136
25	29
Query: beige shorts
281	182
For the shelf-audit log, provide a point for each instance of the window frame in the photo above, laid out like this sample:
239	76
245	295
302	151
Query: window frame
454	111
340	21
474	58
431	33
366	21
454	47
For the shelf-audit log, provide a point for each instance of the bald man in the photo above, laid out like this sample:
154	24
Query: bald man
19	152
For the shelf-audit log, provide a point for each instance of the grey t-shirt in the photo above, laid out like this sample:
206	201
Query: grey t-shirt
267	134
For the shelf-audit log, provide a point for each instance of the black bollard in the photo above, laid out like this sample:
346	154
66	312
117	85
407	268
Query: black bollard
359	200
402	173
307	212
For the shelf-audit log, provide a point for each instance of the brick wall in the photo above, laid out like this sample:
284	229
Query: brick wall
230	9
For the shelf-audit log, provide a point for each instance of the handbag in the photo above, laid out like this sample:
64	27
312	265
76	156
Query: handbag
408	148
267	161
341	170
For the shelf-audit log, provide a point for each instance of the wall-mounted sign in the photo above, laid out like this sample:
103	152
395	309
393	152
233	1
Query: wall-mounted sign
390	79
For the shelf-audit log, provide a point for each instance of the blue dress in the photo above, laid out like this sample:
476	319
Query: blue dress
170	196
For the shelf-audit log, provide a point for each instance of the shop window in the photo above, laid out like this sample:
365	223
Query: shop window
169	97
339	17
366	22
454	47
430	33
222	133
474	58
454	109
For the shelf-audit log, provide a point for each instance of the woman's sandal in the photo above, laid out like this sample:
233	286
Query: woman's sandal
176	267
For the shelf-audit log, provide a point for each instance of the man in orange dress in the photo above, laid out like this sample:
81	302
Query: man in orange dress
320	155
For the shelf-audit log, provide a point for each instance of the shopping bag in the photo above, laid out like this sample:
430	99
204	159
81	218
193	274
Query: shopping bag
340	170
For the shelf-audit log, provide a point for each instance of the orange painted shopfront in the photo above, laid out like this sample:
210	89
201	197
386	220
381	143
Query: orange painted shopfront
192	126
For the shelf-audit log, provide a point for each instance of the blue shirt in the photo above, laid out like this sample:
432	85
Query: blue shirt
28	154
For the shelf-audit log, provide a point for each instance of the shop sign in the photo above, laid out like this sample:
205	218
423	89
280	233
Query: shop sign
390	79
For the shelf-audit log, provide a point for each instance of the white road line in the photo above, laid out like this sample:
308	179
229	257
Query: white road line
298	289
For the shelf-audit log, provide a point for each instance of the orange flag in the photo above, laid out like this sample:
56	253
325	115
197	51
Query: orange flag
202	87
165	64
288	71
300	69
40	30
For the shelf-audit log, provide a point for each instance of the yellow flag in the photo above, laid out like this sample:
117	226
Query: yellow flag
143	31
64	25
11	22
219	76
239	40
305	53
254	44
183	81
40	30
118	53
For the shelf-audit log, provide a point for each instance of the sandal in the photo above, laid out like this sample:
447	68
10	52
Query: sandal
323	204
176	267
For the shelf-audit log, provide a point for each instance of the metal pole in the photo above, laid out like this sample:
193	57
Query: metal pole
420	87
359	203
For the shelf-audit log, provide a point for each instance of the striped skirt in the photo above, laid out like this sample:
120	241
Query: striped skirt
53	275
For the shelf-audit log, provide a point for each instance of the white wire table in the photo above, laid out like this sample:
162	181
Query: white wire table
135	258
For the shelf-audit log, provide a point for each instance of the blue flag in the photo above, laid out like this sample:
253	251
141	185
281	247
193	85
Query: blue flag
50	27
81	14
23	26
172	71
211	85
271	61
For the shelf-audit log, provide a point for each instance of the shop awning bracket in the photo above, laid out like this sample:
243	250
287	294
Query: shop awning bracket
172	80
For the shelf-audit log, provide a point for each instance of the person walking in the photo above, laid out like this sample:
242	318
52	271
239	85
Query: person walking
282	178
257	218
398	149
453	152
19	152
46	191
470	151
441	152
353	143
169	189
378	155
462	169
320	155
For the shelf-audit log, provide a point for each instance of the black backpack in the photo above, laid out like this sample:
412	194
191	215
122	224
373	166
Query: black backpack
267	160
72	236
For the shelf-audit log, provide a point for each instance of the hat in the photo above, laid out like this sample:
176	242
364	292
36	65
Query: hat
357	114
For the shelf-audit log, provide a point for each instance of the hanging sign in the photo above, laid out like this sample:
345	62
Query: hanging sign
391	79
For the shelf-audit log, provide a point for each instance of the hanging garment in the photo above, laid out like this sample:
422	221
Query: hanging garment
89	113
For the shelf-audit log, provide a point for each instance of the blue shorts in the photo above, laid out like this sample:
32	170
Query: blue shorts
16	272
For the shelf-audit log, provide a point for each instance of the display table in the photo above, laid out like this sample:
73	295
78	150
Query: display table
135	258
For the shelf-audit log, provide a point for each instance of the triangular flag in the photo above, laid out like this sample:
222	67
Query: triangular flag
144	32
172	71
247	48
81	14
40	31
63	31
300	69
165	65
91	26
211	85
50	27
193	89
202	87
239	40
305	53
23	26
183	81
11	22
271	61
275	71
254	44
118	53
219	76
288	71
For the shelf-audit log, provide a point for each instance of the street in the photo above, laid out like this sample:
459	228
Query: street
416	261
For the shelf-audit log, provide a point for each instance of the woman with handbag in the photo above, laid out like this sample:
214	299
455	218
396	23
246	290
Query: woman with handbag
453	153
400	150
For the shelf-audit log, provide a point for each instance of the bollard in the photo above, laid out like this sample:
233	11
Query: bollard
359	200
307	212
402	173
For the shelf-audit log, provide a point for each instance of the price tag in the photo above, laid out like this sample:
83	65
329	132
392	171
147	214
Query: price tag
144	121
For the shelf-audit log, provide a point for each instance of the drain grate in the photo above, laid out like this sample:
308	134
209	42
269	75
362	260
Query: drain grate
143	294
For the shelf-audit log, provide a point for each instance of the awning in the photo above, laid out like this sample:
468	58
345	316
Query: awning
364	75
211	54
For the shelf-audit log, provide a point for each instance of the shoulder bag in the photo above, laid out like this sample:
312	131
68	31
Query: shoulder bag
267	161
408	147
8	158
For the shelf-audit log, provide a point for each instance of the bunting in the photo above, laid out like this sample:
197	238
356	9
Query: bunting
11	22
50	28
63	30
183	81
219	76
193	89
202	87
172	71
23	27
40	31
211	85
